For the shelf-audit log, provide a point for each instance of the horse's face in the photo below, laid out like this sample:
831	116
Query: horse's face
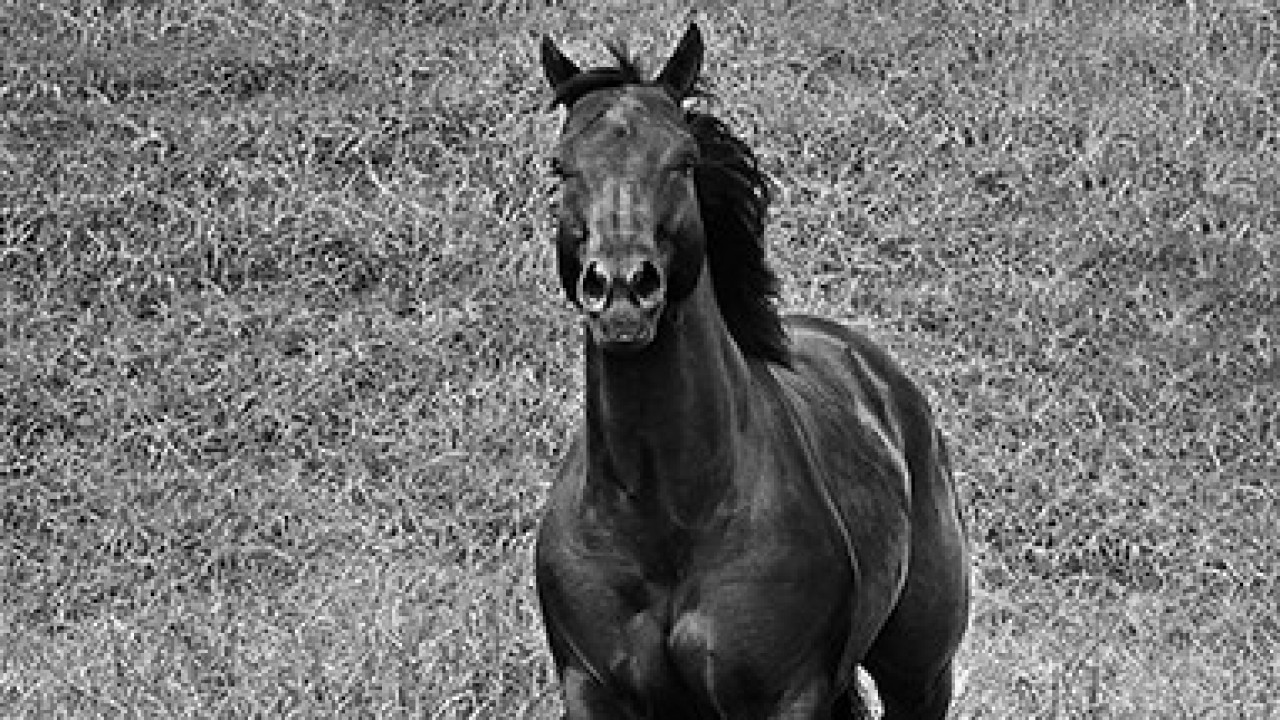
630	237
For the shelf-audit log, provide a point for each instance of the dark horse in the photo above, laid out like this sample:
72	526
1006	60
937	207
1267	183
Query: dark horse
755	506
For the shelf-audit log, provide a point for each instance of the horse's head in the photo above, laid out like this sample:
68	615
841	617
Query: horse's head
630	237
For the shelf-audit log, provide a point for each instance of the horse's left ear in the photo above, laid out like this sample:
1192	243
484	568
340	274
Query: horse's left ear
555	65
681	71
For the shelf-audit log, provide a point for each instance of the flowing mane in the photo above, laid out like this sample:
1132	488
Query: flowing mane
734	195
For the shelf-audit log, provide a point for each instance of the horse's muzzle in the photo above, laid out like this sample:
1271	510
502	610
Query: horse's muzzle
623	301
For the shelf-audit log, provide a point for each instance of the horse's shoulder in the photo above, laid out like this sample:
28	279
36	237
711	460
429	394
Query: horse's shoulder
565	489
847	393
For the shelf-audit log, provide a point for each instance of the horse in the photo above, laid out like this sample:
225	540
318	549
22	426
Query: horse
756	504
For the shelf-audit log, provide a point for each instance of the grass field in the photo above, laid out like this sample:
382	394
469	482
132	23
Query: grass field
285	370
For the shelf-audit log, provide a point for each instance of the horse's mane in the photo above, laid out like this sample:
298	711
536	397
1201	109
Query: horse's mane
734	195
624	72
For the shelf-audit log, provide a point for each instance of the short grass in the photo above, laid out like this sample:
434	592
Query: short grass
285	373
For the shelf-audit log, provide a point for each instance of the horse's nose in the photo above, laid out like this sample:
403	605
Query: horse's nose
594	287
639	280
645	285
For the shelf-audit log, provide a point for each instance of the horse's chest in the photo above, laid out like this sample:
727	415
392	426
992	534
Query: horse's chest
720	617
730	636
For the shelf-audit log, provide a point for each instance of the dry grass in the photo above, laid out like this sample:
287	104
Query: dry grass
285	372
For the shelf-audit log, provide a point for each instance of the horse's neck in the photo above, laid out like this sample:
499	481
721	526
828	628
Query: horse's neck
661	424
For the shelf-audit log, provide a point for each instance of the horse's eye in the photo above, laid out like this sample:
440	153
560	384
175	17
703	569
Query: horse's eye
558	169
575	236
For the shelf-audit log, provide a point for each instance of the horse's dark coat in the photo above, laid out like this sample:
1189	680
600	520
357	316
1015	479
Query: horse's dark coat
755	505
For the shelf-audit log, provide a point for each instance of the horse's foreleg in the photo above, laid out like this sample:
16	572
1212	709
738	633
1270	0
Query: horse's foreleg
586	699
812	699
918	699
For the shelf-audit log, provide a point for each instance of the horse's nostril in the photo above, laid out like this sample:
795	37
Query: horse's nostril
646	284
593	287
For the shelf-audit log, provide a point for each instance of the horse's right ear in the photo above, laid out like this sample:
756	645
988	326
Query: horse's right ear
681	72
555	65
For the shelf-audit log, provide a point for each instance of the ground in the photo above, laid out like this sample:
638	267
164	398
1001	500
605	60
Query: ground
286	371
